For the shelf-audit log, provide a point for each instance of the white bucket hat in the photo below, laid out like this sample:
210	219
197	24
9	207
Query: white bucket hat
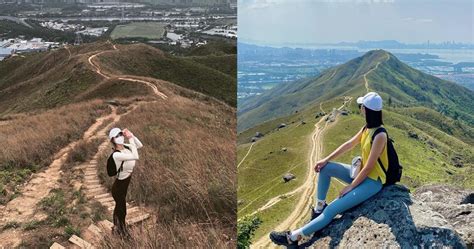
371	100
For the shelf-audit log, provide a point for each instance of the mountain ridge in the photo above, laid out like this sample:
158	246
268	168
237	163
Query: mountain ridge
384	73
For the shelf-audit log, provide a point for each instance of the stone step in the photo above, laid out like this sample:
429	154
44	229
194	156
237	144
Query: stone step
91	178
132	210
105	225
56	245
105	199
96	231
137	219
82	166
93	182
80	242
102	196
96	191
112	206
93	186
90	173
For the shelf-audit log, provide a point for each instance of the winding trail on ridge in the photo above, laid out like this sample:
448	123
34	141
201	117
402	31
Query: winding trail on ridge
376	66
131	78
23	208
308	187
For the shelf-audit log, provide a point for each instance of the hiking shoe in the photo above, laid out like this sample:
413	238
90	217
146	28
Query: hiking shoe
282	239
315	214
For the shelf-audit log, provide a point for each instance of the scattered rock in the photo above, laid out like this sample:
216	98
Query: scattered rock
284	149
282	125
412	134
254	139
457	161
319	114
344	113
259	134
112	102
288	177
303	122
434	216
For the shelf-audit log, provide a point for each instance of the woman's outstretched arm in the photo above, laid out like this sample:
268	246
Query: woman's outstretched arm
343	148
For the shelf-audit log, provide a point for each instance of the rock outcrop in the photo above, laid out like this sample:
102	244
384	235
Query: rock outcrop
433	216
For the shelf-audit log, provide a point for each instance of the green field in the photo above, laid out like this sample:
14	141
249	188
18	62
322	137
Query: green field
149	30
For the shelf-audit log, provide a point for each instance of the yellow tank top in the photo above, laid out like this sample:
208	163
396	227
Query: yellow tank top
366	146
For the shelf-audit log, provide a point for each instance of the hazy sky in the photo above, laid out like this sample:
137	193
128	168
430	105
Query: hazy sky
331	21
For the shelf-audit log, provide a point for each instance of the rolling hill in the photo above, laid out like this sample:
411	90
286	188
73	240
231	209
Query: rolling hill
56	108
429	119
387	75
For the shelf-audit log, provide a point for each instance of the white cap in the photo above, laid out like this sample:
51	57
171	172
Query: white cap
371	100
114	132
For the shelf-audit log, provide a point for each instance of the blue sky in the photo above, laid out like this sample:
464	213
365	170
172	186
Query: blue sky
332	21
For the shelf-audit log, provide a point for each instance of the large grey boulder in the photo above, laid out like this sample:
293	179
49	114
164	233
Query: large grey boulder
433	217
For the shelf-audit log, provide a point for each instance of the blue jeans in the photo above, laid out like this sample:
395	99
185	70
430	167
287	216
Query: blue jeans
359	194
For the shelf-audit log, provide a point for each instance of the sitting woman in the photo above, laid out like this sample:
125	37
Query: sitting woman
367	183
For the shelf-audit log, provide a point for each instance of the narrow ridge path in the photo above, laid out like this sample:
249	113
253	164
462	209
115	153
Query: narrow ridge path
376	66
308	187
248	152
131	78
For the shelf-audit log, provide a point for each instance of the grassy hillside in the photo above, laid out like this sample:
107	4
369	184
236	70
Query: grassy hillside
50	79
184	72
385	74
47	100
184	188
260	175
429	158
428	119
224	63
30	140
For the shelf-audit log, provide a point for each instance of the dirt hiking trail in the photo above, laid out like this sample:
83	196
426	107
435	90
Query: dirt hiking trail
24	208
308	187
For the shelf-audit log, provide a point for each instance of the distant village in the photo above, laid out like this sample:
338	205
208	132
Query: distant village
183	27
13	47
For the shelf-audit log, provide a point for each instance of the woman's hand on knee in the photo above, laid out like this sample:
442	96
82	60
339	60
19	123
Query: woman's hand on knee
346	190
320	164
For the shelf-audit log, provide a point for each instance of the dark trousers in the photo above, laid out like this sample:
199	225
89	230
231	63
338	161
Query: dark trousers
119	193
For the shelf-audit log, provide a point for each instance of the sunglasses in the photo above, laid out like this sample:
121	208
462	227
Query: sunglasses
119	134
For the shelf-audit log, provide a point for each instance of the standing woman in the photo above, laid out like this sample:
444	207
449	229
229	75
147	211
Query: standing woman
366	184
125	156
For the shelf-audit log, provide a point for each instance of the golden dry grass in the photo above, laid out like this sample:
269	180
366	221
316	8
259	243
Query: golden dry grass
173	235
186	173
30	141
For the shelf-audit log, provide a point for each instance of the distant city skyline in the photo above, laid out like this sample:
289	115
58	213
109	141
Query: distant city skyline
273	22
